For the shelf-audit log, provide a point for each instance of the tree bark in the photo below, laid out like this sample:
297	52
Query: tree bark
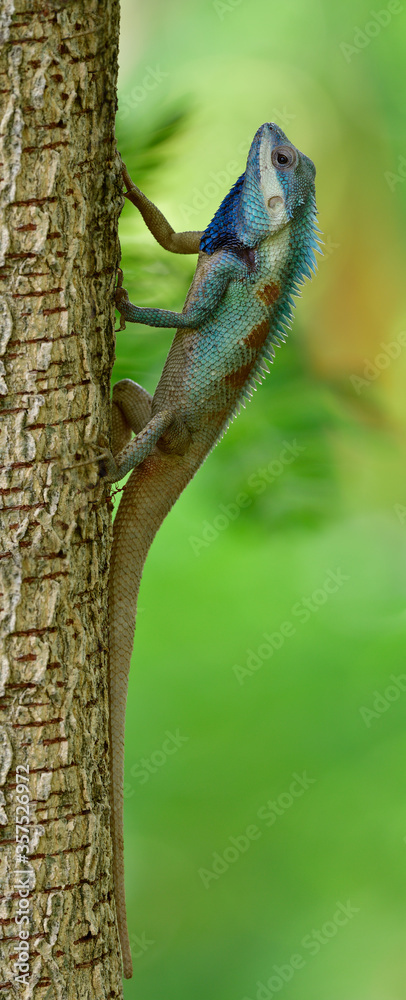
60	192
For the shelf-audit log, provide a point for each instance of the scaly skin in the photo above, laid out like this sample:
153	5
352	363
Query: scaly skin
252	258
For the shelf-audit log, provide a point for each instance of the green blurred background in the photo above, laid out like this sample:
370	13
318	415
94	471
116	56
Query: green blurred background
324	695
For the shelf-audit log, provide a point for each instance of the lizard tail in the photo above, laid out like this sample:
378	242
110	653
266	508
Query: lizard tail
149	494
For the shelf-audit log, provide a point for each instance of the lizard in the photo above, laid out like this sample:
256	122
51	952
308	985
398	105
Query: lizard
252	259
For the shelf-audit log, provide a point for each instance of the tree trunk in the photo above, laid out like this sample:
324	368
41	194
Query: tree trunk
60	192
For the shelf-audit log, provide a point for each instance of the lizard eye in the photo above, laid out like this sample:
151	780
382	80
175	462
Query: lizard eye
284	156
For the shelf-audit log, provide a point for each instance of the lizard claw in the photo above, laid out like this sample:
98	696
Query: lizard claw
120	297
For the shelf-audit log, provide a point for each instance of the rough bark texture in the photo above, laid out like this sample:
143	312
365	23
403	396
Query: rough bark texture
61	198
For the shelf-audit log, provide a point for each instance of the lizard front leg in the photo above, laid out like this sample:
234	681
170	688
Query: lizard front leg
188	242
207	295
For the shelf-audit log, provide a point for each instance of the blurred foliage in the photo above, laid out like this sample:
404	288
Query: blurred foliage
196	81
149	152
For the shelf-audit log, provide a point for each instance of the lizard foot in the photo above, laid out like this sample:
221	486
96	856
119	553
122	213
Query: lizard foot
109	469
104	456
132	189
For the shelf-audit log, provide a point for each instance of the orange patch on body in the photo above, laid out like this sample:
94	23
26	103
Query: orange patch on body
269	293
257	337
236	379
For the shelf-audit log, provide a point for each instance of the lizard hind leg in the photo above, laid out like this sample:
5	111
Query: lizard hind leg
131	411
176	440
140	446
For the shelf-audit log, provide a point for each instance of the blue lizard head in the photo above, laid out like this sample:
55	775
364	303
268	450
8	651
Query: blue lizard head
276	188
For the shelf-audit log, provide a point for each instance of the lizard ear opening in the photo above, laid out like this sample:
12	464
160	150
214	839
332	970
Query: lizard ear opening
275	202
